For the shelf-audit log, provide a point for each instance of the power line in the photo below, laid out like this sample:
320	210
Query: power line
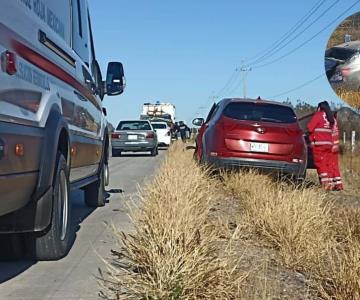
273	50
228	83
288	34
232	80
244	71
308	40
235	88
277	49
298	87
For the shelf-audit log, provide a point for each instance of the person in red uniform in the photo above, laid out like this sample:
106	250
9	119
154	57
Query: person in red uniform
335	170
320	136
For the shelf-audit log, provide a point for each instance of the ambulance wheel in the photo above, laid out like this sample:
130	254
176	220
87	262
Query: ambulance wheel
95	192
54	242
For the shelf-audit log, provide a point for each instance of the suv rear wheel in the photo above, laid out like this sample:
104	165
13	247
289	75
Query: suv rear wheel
54	242
300	179
95	192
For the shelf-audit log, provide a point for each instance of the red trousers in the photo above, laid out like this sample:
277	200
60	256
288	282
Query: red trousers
323	162
335	170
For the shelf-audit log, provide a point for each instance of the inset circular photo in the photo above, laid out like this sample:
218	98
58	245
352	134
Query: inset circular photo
342	60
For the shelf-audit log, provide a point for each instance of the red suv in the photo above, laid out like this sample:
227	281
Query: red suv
252	133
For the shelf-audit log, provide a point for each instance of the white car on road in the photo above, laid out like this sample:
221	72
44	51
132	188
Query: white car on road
163	133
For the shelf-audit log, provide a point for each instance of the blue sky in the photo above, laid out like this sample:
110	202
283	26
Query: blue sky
185	51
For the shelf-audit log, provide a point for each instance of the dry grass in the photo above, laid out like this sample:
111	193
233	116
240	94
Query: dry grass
173	253
296	221
337	277
185	247
350	97
310	233
350	167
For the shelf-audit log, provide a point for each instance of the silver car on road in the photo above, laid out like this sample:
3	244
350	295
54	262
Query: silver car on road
134	136
342	64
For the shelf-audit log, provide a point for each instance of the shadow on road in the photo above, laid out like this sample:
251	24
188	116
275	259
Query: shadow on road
12	263
114	191
133	155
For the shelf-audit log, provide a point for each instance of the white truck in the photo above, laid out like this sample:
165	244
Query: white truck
53	132
160	111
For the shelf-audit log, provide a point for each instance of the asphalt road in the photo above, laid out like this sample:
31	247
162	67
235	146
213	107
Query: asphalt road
73	277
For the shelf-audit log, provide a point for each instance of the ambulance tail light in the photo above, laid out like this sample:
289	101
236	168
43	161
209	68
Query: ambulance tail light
8	62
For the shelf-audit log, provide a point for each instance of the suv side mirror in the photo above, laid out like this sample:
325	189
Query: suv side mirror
198	121
115	79
104	111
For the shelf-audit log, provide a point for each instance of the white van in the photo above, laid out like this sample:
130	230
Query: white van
53	132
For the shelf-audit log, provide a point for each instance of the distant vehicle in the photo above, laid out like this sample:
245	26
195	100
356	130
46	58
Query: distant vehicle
53	132
163	133
342	65
254	134
158	112
134	136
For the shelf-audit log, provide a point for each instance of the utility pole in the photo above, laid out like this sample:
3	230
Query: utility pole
245	71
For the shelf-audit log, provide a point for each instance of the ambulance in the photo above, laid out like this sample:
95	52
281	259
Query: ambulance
53	132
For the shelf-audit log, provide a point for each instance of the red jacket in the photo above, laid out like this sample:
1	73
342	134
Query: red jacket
320	130
335	137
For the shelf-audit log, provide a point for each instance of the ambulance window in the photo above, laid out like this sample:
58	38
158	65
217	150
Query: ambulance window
92	48
95	69
79	17
81	30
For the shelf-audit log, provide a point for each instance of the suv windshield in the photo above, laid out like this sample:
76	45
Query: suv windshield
340	53
133	125
158	126
261	112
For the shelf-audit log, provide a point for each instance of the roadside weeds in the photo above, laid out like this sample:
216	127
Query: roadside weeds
234	236
173	253
350	97
312	233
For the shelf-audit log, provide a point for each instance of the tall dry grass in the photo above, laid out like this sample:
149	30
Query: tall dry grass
309	232
180	250
173	252
350	97
294	220
350	169
337	277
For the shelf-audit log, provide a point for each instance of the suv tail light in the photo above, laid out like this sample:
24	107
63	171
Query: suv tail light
115	135
150	135
8	62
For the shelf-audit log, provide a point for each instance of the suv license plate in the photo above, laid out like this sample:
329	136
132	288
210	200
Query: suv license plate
259	147
132	137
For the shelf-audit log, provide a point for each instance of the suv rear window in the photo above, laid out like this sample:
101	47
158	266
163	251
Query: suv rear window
133	125
158	126
340	53
261	112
